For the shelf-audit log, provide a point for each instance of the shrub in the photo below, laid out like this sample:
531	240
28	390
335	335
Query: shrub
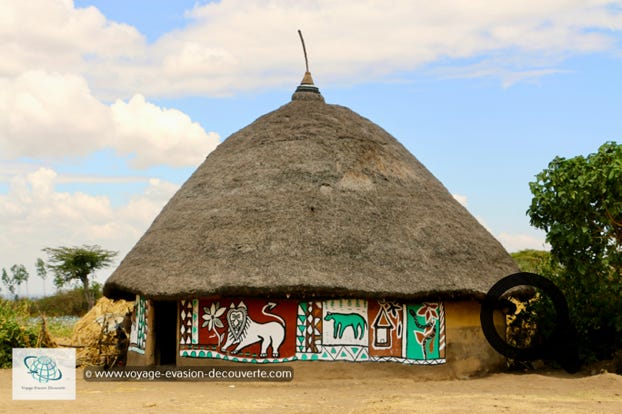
64	302
14	330
594	309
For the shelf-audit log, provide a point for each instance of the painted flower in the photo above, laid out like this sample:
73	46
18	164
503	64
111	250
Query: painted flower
211	316
429	312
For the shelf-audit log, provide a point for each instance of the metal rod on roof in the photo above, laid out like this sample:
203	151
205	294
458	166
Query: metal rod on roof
304	49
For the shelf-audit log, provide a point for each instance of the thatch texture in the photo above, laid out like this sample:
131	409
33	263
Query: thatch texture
312	200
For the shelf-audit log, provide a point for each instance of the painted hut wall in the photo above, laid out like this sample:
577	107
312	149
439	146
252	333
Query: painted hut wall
354	330
466	352
141	351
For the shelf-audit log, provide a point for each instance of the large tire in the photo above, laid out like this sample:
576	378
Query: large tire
560	345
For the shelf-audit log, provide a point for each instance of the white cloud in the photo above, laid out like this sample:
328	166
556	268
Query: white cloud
9	170
35	215
235	45
55	116
462	199
511	242
55	36
509	71
158	135
516	242
50	115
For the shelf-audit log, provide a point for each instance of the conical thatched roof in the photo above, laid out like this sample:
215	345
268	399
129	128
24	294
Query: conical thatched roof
312	200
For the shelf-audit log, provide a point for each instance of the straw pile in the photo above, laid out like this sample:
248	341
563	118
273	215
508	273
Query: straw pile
45	339
95	335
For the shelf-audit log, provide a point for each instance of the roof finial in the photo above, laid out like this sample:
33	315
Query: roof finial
306	85
304	50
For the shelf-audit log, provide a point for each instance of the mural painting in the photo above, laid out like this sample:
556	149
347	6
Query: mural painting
385	343
138	332
423	339
345	330
189	321
245	330
264	331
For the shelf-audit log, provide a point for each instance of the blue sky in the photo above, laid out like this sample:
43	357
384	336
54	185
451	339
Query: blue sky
108	106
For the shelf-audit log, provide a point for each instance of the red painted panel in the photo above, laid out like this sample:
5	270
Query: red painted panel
386	328
254	328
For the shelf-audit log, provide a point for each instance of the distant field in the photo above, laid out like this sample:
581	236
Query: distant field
60	327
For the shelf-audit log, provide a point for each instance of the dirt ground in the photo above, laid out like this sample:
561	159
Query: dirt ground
311	392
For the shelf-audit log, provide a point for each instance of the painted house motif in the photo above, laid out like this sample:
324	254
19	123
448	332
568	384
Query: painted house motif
388	326
260	331
383	328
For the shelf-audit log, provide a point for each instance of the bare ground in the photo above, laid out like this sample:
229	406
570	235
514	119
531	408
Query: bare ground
311	392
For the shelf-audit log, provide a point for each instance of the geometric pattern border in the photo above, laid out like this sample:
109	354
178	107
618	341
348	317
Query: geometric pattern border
189	322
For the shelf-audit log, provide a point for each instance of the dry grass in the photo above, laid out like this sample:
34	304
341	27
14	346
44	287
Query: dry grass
93	334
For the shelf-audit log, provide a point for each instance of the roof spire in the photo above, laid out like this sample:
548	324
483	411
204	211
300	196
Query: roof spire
306	85
304	50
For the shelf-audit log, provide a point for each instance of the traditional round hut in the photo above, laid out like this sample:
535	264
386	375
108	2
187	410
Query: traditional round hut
312	235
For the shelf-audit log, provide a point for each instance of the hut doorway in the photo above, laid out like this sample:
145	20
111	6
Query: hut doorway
165	326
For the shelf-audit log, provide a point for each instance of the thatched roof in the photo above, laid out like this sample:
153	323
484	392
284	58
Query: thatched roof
312	200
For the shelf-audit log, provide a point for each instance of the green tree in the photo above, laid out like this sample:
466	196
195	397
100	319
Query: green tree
19	275
578	202
533	261
71	264
41	271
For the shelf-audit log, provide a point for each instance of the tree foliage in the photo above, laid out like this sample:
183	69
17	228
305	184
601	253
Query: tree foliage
18	275
41	271
69	264
533	261
578	202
